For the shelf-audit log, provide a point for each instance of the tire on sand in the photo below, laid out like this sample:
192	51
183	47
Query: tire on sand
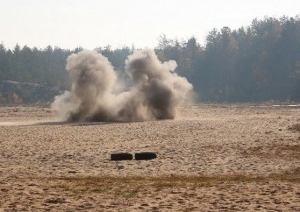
145	156
121	156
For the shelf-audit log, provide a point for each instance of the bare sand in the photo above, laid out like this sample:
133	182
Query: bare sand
210	158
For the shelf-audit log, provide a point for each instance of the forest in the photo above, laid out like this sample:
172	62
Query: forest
256	63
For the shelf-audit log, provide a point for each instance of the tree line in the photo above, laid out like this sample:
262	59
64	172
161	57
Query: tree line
260	62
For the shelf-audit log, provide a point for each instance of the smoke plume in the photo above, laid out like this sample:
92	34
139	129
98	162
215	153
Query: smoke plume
155	92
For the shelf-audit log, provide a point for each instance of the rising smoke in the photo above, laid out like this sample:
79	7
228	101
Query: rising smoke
155	92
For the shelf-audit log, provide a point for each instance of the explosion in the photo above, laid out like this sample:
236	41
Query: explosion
154	94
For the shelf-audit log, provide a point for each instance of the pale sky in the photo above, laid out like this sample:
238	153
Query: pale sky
96	23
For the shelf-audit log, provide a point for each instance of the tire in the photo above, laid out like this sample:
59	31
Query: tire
145	156
121	156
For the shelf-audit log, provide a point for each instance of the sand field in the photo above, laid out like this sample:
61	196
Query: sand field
210	158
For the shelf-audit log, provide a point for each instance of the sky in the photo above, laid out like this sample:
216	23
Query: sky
96	23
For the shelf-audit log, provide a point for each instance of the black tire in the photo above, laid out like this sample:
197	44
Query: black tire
121	156
145	156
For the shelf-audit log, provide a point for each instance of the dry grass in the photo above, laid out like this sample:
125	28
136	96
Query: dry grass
286	152
130	187
295	128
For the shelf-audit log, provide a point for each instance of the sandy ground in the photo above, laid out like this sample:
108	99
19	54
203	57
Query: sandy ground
210	158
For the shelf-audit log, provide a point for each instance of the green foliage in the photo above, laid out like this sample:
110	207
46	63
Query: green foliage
42	66
257	63
47	66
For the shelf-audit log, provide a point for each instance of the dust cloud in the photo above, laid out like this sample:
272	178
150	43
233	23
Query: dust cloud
155	90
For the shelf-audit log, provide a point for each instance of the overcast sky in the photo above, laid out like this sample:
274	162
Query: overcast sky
95	23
